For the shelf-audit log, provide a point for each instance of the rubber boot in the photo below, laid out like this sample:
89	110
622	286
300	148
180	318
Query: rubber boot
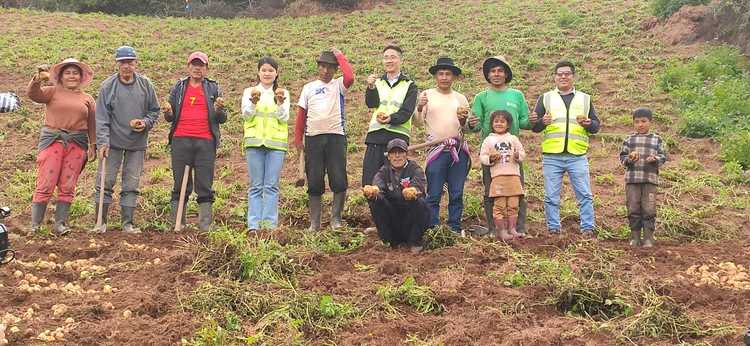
315	208
103	227
127	220
173	213
204	216
635	237
501	230
339	199
648	237
37	216
512	226
488	204
62	211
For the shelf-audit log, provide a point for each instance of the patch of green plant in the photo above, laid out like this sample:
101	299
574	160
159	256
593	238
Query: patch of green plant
661	317
567	18
733	173
541	270
229	254
665	8
213	334
228	297
308	314
712	93
599	303
473	206
441	236
409	293
514	279
332	241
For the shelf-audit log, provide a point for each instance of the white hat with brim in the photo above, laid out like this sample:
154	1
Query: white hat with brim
87	74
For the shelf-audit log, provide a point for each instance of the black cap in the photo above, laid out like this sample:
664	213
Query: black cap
397	143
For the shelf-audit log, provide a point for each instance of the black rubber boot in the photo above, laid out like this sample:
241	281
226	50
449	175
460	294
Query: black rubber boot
37	216
635	237
315	209
127	214
62	211
204	216
339	199
648	237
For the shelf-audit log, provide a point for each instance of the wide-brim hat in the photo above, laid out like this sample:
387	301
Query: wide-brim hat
87	74
494	61
327	57
445	63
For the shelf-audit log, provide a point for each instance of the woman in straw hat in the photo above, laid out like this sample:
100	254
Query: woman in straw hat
64	139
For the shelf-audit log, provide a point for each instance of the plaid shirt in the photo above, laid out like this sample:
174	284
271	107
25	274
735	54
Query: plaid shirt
640	171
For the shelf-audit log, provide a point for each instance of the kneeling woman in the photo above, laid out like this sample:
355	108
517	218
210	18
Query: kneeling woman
265	110
396	199
64	140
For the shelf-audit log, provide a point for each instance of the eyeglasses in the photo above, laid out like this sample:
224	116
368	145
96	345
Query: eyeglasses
564	74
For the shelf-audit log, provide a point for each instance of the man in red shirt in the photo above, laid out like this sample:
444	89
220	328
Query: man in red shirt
195	110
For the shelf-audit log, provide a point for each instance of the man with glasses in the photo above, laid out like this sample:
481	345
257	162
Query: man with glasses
126	110
568	120
392	96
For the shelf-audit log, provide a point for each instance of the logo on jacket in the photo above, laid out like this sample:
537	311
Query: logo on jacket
406	182
505	150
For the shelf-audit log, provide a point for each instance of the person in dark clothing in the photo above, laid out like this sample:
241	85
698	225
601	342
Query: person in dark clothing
195	109
396	199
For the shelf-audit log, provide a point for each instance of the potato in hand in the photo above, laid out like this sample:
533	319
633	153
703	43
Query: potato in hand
410	193
370	191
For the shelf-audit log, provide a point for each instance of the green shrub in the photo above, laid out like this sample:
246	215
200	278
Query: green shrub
736	148
712	93
421	298
665	8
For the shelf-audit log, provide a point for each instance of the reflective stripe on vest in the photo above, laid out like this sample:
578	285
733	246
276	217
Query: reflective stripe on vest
265	128
564	125
391	100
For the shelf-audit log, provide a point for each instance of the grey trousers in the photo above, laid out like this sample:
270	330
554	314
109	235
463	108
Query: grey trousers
641	203
131	163
200	155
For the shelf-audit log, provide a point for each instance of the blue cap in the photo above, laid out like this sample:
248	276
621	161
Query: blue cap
125	53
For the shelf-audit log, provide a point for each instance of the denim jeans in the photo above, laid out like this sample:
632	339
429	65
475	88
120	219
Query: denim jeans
554	167
132	169
440	171
264	166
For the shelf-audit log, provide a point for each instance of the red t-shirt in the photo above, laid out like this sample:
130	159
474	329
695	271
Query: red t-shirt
193	115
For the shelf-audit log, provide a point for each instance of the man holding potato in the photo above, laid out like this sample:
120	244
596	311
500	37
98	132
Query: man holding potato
444	112
392	96
126	110
396	199
568	120
195	109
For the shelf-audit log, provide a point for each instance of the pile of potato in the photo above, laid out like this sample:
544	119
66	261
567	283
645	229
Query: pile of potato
724	274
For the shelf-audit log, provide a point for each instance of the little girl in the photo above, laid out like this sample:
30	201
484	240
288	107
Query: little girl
503	151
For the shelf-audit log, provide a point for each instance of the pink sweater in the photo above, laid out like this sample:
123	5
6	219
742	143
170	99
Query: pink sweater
507	144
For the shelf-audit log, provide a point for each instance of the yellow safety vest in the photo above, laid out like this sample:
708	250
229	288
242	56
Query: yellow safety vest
564	125
265	129
391	100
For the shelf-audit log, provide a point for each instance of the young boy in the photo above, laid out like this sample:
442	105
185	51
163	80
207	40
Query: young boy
642	154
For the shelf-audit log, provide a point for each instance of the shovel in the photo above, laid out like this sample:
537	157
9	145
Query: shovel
181	204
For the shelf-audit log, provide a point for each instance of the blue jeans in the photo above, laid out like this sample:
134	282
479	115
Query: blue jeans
438	172
264	166
553	168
